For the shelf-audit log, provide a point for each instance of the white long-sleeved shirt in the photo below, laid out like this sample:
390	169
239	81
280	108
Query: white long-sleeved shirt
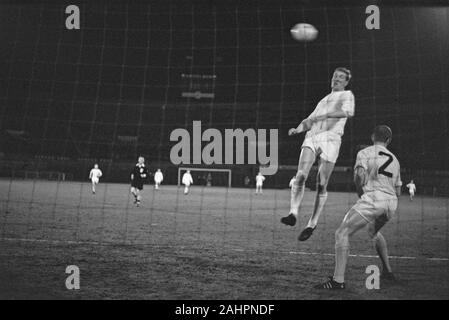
334	101
411	187
187	179
260	179
95	174
158	176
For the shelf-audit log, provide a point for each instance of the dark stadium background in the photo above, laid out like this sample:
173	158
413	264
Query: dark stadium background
113	89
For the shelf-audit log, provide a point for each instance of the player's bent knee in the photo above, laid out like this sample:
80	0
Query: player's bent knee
372	231
342	237
341	241
372	234
301	178
339	237
321	188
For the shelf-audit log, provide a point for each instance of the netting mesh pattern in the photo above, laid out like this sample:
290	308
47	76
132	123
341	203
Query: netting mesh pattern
116	89
125	71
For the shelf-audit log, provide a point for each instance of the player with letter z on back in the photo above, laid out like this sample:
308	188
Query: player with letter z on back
377	178
325	127
138	176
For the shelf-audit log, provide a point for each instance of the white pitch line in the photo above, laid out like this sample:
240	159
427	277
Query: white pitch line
357	255
438	259
53	241
364	255
233	249
310	253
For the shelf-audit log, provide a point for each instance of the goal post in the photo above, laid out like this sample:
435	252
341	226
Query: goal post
208	177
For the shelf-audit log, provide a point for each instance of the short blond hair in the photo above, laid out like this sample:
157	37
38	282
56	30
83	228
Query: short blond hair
345	71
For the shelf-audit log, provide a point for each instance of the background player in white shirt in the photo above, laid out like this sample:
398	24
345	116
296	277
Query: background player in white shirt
325	126
187	180
411	189
259	183
94	176
158	178
378	183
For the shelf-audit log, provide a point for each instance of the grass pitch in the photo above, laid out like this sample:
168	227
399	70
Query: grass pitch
215	243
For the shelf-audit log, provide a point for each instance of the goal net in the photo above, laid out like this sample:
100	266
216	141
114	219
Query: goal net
136	71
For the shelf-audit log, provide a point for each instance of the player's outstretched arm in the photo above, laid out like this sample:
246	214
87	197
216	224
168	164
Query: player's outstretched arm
345	110
398	184
359	180
332	114
305	125
398	191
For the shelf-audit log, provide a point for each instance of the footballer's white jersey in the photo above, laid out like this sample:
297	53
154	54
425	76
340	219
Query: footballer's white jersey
95	174
158	177
334	101
411	187
260	179
382	168
187	179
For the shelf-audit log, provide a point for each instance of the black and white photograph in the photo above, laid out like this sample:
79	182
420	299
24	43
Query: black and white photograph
205	150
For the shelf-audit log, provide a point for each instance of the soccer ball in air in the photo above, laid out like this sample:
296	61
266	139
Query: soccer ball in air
304	32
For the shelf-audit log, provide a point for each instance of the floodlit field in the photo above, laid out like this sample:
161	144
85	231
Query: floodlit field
214	243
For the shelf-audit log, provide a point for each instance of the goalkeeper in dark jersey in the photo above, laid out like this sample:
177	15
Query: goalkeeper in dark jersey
138	176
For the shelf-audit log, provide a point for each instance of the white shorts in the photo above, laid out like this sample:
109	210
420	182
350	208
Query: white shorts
325	144
95	180
375	204
259	184
412	193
